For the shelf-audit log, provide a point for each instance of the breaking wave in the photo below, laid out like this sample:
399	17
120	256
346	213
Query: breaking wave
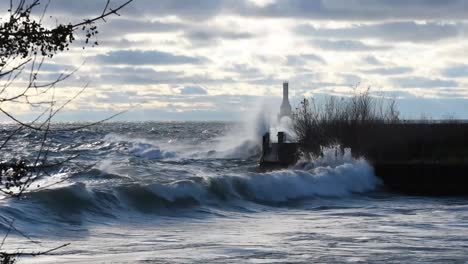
120	174
276	187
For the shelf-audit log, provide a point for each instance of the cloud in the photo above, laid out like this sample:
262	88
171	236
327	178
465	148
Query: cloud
117	97
210	34
131	75
457	71
245	71
303	59
350	10
199	34
362	10
409	31
196	9
422	82
346	45
389	71
137	75
193	90
351	79
372	60
123	26
150	57
56	67
123	43
189	48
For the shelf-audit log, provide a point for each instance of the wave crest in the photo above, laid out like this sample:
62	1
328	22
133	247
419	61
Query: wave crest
272	187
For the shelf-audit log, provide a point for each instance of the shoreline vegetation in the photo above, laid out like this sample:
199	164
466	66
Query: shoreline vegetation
423	157
371	128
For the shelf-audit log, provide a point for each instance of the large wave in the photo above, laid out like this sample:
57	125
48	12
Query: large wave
275	187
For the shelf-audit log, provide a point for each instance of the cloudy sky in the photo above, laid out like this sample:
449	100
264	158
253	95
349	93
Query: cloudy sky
218	59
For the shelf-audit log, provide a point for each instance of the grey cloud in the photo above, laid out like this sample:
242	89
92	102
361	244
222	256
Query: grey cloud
199	34
450	92
390	31
308	81
267	81
389	71
346	45
372	60
303	59
219	102
245	71
371	10
394	94
422	82
56	67
117	97
122	26
152	57
157	78
136	71
193	90
130	25
210	34
204	36
351	79
457	71
147	76
195	9
137	76
359	10
123	43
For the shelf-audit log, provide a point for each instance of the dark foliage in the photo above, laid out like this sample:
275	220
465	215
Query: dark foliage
370	127
23	35
323	124
13	175
25	43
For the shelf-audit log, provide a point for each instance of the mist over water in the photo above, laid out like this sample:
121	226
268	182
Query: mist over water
191	193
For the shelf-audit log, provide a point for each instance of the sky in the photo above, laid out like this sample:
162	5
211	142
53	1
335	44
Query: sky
219	59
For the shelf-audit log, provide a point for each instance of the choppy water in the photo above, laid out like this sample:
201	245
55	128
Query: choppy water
190	193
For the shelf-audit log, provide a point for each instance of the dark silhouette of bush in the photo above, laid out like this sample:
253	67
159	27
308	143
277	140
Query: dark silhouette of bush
319	124
371	128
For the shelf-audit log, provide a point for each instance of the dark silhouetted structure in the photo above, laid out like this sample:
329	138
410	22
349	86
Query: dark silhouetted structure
278	155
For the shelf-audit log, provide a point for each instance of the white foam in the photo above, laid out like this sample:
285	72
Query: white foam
141	148
148	151
244	141
342	180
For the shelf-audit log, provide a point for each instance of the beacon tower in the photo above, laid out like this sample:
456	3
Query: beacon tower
285	105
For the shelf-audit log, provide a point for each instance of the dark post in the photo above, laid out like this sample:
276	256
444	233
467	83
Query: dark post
281	138
266	144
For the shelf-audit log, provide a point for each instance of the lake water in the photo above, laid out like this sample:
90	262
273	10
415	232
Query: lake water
190	193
